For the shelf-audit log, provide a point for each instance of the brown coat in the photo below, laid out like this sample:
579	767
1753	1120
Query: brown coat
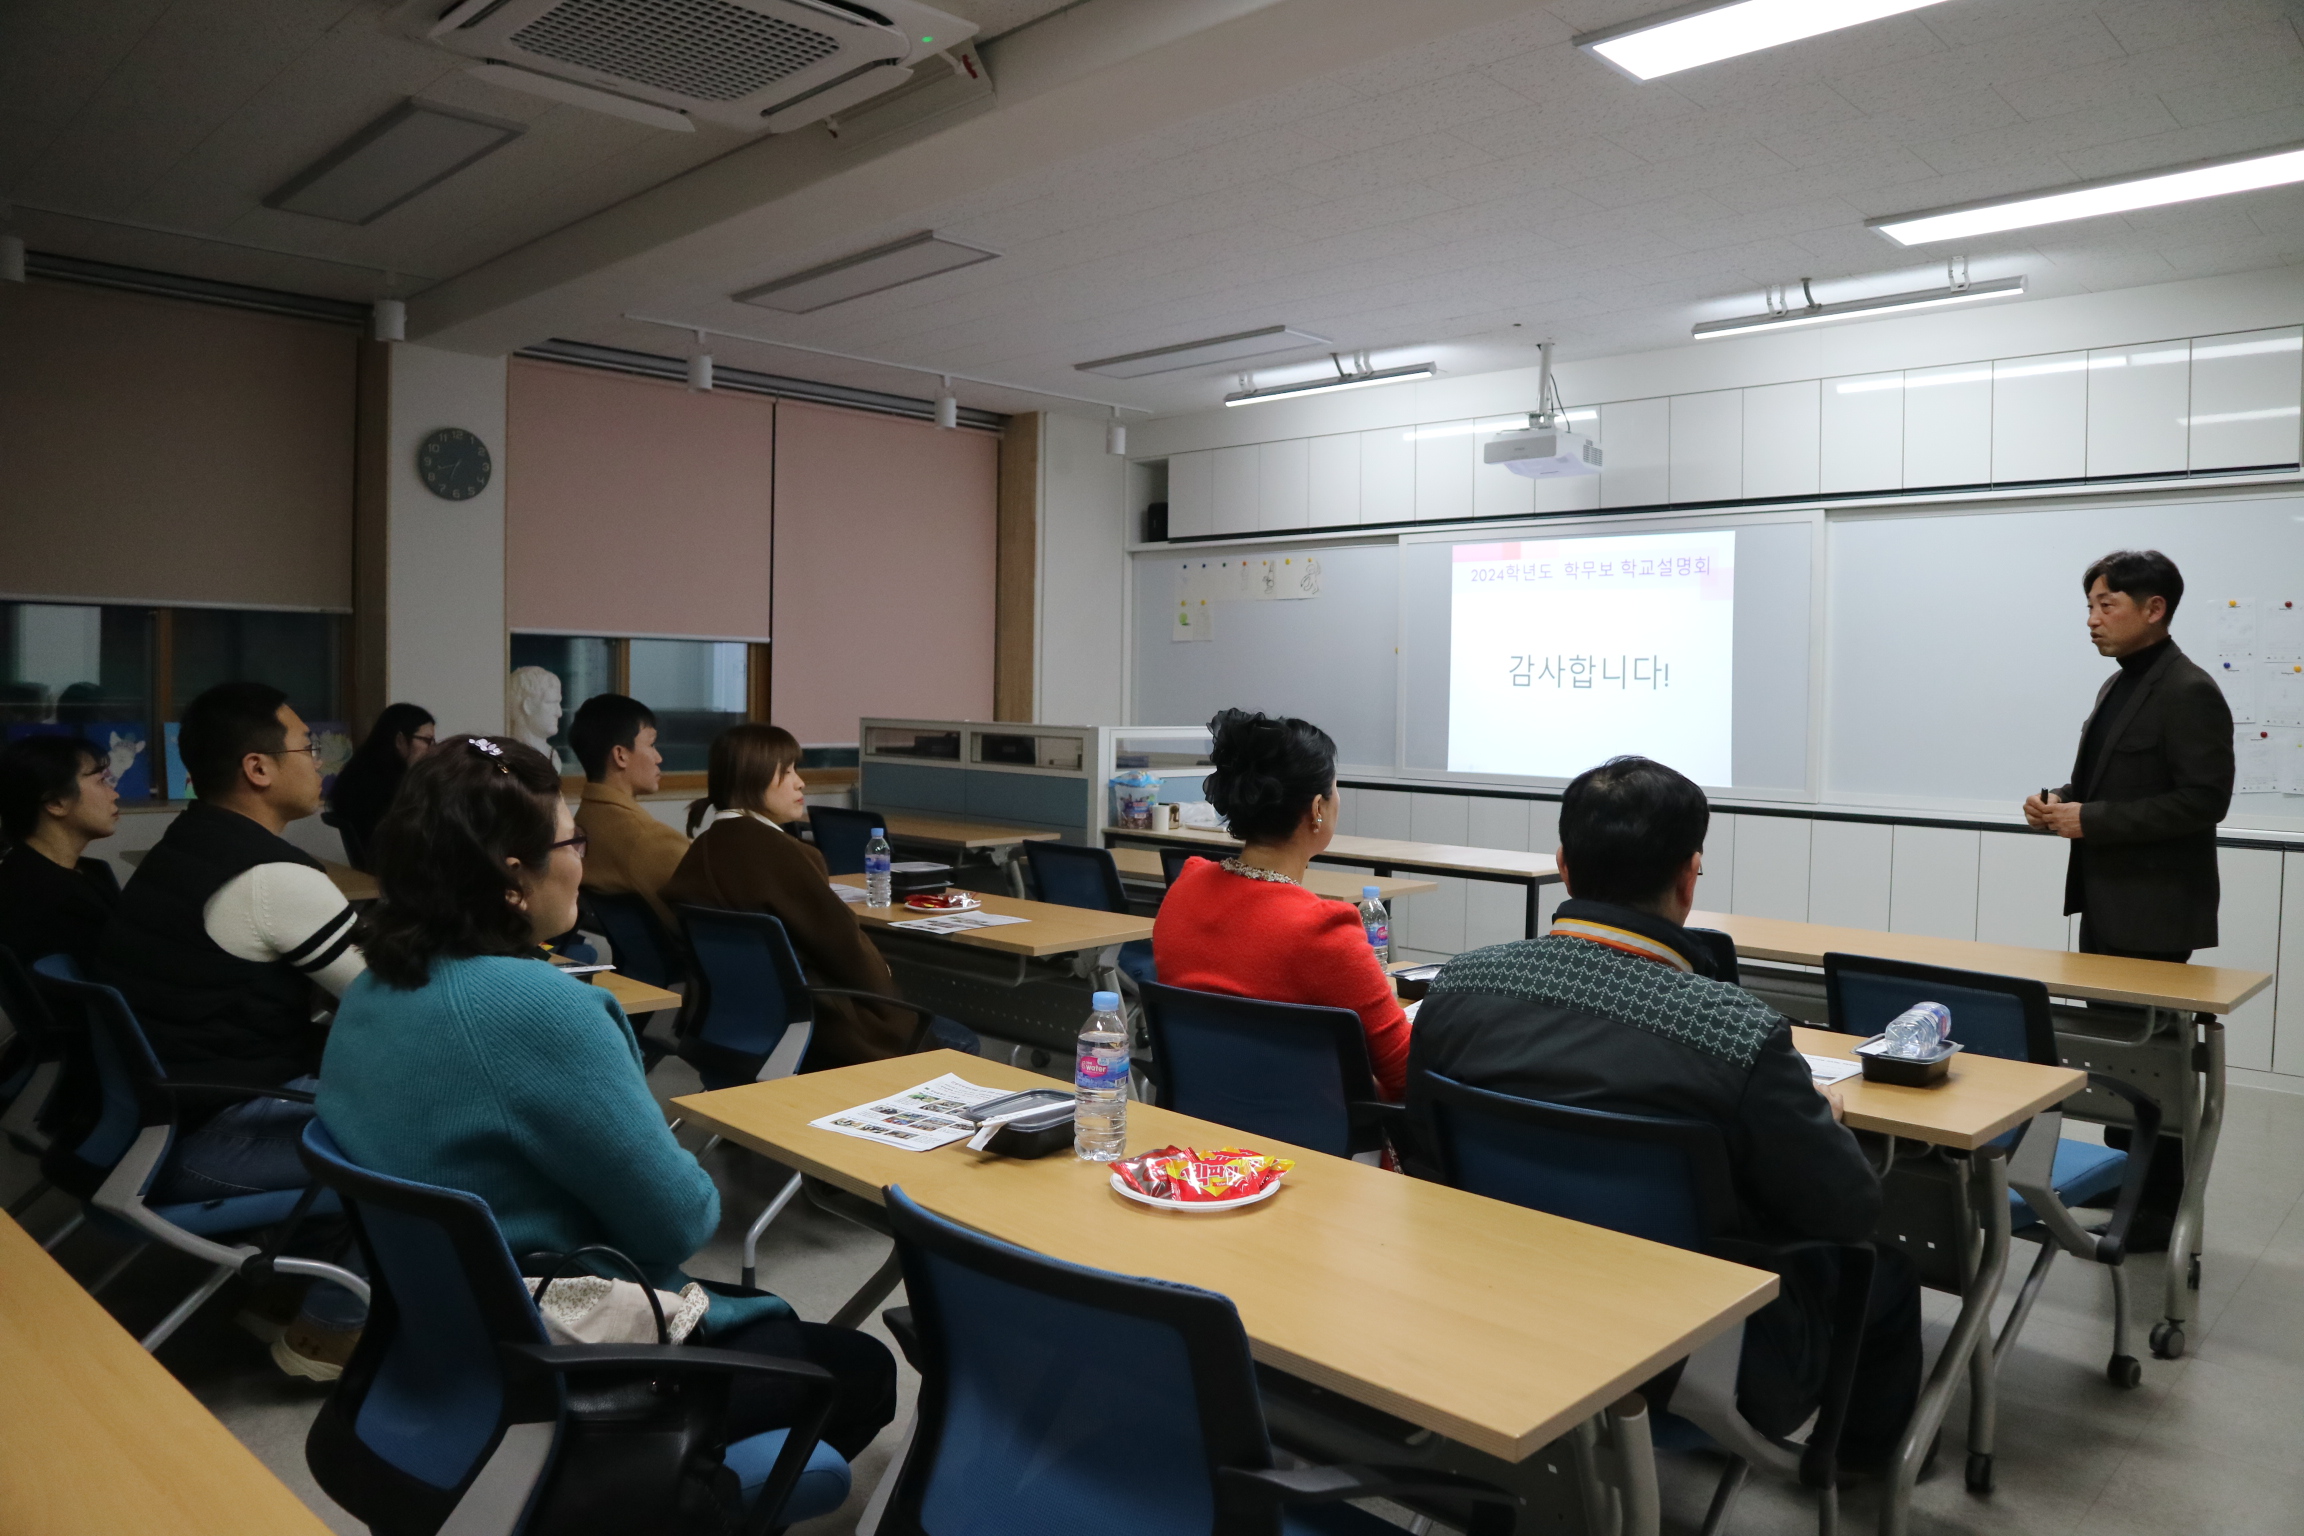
630	851
743	865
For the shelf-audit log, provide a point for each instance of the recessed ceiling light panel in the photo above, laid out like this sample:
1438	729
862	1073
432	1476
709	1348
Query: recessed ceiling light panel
875	271
412	147
2250	172
1194	354
1711	30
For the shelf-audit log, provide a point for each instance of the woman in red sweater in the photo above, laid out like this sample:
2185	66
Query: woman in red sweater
1247	926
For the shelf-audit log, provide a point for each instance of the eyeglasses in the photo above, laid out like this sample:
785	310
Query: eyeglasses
310	748
579	843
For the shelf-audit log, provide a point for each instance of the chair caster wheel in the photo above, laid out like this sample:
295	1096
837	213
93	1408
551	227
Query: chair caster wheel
2192	1273
2168	1340
2124	1371
1979	1472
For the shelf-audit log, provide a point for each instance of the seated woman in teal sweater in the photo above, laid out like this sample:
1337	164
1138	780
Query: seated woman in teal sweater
465	1060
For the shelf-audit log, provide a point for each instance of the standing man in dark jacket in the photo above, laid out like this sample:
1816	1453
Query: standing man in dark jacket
1616	1008
2152	779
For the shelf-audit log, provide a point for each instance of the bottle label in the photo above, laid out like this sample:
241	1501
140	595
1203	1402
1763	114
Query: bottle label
1103	1068
877	863
1380	935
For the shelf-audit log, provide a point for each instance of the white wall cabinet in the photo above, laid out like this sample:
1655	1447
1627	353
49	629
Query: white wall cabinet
2138	404
1708	446
2248	923
1783	427
1716	886
2040	417
1332	475
1948	425
1387	477
1443	477
1239	480
1191	494
2020	890
1863	433
1932	881
2246	388
1284	485
1848	873
1636	468
1772	855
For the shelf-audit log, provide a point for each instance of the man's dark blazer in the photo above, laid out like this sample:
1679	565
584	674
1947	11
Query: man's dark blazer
2144	867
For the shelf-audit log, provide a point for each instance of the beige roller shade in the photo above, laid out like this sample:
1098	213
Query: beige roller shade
158	451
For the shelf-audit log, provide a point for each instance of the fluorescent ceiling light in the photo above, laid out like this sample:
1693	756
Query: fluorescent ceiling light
1712	30
414	146
1849	309
1192	354
2093	199
1331	386
875	271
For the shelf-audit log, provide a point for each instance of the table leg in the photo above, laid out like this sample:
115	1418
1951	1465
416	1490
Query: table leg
871	1293
1012	857
2203	1123
1635	1458
1987	1184
1528	929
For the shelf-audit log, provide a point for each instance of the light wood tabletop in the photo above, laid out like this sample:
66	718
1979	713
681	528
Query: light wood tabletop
355	884
1494	1325
951	832
1047	929
1388	853
1984	1097
2096	978
1143	864
97	1439
634	997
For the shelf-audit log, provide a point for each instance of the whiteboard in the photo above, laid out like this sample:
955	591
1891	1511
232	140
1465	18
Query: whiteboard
1958	663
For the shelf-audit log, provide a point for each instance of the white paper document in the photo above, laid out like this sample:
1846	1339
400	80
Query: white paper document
2281	635
2238	678
2254	771
2236	627
2282	699
852	894
918	1119
2288	752
1830	1069
959	922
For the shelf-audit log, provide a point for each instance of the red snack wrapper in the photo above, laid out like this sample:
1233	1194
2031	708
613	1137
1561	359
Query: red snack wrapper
1180	1173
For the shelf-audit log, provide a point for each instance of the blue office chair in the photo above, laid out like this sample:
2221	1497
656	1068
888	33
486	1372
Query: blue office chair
456	1411
841	835
129	1147
2047	1175
1720	949
35	1065
1069	875
1013	1434
1665	1180
1173	860
643	950
1287	1070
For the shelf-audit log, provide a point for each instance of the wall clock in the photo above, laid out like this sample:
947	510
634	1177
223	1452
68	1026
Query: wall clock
454	464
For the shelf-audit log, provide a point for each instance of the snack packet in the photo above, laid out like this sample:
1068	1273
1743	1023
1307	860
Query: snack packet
1180	1173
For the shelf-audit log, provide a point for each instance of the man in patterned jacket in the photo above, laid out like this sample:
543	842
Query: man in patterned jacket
1616	1008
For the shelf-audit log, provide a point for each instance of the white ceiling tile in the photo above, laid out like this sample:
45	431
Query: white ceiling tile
1431	154
2132	118
2237	94
2146	25
2202	62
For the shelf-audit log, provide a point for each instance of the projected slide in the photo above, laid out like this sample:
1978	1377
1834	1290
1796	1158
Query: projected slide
1567	652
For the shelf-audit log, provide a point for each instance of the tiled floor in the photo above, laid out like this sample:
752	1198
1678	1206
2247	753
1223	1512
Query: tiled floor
2207	1445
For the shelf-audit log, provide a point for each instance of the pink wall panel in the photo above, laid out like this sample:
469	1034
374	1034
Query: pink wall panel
635	506
884	570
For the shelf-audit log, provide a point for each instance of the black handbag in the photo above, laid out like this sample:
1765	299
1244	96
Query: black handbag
639	1455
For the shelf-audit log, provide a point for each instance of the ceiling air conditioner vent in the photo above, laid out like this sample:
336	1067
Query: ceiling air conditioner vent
748	64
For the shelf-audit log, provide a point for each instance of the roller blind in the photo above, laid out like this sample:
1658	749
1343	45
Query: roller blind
884	570
634	506
157	451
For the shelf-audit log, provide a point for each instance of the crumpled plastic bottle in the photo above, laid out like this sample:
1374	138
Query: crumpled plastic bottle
1919	1032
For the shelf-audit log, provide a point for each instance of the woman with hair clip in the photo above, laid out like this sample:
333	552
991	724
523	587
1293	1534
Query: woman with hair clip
1247	926
465	1059
746	862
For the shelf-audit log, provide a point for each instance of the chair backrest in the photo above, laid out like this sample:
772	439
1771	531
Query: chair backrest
841	835
1288	1070
1662	1179
1720	949
644	951
1173	860
1992	1015
1018	1431
748	990
28	1012
128	1074
355	846
424	1401
1072	876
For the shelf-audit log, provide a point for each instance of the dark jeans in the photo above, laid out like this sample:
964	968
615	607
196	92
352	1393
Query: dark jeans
863	1376
1784	1356
2164	1185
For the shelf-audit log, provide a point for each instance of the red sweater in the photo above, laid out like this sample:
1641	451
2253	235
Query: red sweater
1221	932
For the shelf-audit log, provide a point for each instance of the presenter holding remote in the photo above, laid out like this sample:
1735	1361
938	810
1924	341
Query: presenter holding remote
2152	780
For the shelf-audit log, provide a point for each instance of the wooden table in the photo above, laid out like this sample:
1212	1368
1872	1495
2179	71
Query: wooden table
97	1439
357	885
2178	1055
1496	1326
1047	929
966	837
1385	855
634	997
1143	865
1985	1097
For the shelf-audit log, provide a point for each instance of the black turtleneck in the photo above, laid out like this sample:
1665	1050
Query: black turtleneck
2133	666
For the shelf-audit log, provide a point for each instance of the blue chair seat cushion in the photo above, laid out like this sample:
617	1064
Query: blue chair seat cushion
1136	960
242	1213
823	1485
2084	1171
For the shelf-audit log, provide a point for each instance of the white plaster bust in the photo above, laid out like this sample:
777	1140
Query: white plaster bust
532	707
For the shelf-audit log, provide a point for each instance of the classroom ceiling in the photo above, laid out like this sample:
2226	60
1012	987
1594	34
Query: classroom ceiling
1448	179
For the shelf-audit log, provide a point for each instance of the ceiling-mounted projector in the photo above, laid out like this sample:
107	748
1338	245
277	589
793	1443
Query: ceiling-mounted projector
1544	453
747	64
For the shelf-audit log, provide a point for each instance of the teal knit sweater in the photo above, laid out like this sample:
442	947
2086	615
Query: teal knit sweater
510	1081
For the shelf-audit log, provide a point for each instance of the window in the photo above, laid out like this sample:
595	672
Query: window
697	688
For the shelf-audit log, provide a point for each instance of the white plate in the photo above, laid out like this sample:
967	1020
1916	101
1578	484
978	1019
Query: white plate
965	904
1266	1193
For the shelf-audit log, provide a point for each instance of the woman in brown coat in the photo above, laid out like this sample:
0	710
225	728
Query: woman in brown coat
746	862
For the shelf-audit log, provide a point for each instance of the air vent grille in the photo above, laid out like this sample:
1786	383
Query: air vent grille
704	49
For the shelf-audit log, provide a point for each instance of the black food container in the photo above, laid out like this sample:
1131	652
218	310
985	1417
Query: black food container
1904	1071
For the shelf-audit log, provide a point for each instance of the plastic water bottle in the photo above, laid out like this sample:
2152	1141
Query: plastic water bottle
879	870
1919	1031
1377	922
1100	1083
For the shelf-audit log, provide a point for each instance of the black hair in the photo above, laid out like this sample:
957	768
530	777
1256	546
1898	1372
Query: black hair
1269	770
224	725
34	774
606	721
465	807
1628	827
2141	573
381	748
